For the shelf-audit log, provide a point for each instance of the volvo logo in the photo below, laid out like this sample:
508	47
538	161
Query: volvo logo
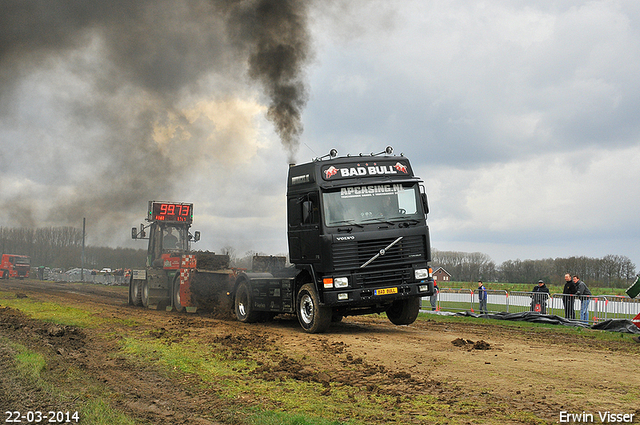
345	238
381	252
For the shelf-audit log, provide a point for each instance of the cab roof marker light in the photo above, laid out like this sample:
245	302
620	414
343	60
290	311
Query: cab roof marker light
332	154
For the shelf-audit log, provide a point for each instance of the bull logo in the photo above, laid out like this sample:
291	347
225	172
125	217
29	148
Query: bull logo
400	167
330	172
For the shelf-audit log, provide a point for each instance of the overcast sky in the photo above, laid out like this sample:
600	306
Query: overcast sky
521	117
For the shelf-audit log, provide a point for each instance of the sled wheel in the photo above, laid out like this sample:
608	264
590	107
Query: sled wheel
136	292
144	293
177	303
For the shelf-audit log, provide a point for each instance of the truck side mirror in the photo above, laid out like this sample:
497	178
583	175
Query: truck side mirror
196	236
307	212
425	202
134	233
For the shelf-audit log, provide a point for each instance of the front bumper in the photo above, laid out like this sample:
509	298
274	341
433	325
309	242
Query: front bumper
368	296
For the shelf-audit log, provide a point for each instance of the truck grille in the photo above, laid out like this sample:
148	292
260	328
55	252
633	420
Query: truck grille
392	277
351	255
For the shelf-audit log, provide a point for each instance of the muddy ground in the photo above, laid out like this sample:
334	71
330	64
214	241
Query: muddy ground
498	368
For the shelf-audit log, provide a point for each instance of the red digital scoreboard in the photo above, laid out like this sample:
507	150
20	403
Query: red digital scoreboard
170	212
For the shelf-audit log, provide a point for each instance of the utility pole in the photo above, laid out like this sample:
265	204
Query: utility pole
84	221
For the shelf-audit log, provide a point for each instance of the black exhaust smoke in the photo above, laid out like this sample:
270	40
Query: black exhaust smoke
136	63
276	37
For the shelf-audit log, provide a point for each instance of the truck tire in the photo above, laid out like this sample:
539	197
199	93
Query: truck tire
404	312
313	317
136	292
177	304
243	305
144	293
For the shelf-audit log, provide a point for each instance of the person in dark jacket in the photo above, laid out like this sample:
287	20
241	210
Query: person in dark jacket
539	296
568	297
482	298
582	292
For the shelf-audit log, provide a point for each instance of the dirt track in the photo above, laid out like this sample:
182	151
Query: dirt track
499	369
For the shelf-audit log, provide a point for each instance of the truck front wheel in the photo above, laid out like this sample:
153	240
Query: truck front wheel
243	305
313	317
404	312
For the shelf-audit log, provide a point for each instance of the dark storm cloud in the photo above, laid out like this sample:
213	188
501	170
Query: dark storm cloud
152	58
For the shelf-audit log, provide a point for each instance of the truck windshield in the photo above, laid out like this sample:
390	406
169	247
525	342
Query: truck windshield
22	260
359	205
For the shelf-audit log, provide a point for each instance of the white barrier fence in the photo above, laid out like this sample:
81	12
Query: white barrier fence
598	308
87	277
101	279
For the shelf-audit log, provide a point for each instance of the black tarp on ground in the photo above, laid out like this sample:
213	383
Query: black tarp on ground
613	325
617	325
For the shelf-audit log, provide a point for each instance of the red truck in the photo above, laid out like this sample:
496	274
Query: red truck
14	266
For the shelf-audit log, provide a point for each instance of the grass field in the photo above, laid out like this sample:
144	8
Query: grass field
255	374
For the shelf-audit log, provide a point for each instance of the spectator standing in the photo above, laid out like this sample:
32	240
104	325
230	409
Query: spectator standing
434	296
482	298
539	296
568	297
583	292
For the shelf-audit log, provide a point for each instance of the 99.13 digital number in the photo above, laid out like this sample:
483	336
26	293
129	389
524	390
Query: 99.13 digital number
16	417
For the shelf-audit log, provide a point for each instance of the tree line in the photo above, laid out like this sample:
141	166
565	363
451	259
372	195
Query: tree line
61	247
608	271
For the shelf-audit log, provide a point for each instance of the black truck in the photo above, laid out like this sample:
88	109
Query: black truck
358	242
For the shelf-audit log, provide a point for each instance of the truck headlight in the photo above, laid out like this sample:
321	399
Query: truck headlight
423	288
421	274
341	282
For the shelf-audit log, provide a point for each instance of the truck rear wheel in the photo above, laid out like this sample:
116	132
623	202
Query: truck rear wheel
404	312
313	317
336	317
243	305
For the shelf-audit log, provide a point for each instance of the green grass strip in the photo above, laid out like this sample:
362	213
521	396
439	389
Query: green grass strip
56	313
99	412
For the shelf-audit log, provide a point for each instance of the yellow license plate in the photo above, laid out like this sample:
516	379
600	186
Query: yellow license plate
386	291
